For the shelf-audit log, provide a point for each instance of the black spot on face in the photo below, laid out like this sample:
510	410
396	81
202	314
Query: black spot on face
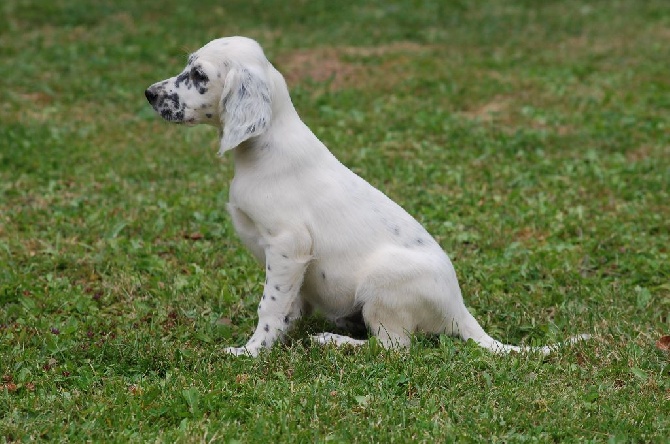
168	100
194	78
182	78
169	106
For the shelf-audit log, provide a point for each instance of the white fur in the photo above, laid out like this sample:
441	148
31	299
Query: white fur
329	240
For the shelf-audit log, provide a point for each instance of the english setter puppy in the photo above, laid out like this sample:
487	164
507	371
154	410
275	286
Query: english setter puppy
329	240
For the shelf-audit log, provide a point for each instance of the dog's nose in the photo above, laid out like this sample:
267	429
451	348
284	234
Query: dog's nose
150	95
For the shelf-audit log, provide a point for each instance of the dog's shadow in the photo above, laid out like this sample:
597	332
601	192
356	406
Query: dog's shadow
307	326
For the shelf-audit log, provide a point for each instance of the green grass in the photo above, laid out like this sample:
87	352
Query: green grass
532	139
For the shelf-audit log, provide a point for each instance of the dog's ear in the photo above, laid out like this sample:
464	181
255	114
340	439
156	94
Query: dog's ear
245	108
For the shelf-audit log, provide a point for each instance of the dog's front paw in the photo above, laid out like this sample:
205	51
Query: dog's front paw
242	351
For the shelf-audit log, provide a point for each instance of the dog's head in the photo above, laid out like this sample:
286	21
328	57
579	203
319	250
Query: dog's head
225	83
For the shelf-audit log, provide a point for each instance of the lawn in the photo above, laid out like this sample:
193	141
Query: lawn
532	139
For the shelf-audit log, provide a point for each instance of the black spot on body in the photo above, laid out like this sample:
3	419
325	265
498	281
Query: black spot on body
277	287
273	298
264	343
266	328
209	115
284	256
323	275
286	319
269	268
419	241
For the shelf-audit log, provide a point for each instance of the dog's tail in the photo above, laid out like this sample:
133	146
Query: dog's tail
472	330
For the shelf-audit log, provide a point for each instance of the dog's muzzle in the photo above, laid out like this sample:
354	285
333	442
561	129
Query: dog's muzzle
167	105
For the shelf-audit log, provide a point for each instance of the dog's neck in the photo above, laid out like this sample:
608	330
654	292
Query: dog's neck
286	141
282	105
287	134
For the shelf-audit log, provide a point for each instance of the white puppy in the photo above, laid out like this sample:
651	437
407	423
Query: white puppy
329	240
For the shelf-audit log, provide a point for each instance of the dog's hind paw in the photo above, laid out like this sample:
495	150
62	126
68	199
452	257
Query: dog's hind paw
241	351
335	339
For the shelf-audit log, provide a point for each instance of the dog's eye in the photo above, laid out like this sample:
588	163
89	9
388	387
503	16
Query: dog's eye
198	76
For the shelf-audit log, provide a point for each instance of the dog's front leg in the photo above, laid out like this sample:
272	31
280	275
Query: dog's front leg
280	305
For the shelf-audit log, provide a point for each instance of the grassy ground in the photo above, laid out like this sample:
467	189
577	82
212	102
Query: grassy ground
531	138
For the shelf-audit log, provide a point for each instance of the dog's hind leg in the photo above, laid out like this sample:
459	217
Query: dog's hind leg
390	327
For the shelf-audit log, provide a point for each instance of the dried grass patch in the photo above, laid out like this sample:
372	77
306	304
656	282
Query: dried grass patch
346	67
